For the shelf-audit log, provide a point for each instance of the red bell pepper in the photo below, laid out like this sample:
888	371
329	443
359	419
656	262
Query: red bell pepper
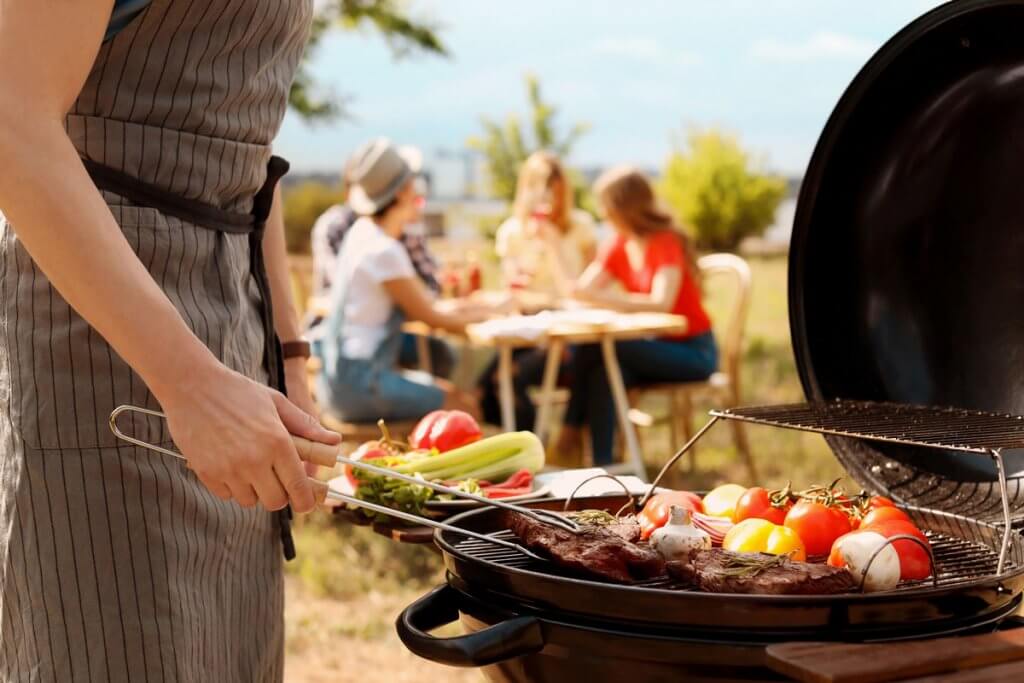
445	430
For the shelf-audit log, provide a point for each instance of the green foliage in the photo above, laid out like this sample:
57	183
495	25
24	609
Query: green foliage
303	204
404	34
505	146
339	560
718	191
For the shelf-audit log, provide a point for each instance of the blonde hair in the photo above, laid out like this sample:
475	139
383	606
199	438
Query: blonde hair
541	173
626	192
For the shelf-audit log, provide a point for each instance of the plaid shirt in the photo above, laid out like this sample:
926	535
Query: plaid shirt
329	232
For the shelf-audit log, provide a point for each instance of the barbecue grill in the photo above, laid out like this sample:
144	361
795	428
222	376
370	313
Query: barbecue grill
905	295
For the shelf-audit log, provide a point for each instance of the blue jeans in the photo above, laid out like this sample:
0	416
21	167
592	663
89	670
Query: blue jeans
368	389
643	362
365	392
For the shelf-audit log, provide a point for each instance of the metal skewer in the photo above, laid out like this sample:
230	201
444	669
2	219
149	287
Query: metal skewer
416	519
328	456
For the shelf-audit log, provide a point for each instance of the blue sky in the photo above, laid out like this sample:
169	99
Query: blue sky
638	72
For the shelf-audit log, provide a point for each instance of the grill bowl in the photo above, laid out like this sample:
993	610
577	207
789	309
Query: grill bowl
967	589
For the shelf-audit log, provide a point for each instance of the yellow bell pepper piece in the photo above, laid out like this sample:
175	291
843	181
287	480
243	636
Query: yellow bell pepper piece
761	536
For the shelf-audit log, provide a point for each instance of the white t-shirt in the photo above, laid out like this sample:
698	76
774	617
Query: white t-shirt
368	258
531	253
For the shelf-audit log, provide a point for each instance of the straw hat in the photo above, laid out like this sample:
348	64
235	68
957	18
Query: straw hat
379	170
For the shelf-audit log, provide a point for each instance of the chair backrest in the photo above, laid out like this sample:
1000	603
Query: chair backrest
731	342
300	269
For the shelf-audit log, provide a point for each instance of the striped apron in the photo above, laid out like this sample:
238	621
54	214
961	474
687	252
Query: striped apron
117	563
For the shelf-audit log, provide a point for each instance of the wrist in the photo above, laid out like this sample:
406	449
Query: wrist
295	365
184	374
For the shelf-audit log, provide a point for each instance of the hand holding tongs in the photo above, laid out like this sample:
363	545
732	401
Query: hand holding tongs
329	456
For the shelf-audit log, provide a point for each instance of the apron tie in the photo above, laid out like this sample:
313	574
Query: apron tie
214	218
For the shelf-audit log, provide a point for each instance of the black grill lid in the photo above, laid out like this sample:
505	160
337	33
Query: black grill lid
906	276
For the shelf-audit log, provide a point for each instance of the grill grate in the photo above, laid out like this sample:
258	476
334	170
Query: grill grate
958	558
946	428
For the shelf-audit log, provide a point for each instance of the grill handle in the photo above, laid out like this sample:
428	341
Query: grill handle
505	640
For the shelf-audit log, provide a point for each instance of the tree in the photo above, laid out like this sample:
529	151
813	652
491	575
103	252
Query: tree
506	146
718	191
302	205
404	34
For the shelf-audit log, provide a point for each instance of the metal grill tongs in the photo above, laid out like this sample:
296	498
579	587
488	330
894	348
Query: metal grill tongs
328	456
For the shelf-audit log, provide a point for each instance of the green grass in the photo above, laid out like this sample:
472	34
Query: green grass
342	561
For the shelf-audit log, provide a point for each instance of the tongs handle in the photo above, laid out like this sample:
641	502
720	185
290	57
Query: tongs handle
309	451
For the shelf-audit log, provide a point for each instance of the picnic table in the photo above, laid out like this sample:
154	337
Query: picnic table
555	331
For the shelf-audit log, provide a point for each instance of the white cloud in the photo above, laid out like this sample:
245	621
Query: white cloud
821	45
644	50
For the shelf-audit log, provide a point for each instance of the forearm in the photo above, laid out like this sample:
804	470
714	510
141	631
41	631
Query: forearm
625	301
453	321
286	318
70	233
559	270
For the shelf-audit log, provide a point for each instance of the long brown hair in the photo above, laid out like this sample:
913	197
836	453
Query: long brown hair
542	174
626	191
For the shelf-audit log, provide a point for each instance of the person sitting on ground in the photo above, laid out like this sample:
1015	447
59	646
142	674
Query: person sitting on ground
375	288
326	238
654	264
545	234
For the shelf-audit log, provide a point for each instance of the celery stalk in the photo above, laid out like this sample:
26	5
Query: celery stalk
469	457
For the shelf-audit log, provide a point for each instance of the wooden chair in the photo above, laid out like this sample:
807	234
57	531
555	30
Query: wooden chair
300	268
723	387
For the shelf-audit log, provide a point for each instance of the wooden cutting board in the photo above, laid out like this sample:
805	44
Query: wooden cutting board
857	663
1009	672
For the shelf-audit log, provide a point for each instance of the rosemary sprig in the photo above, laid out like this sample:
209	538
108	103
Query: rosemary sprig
746	565
593	517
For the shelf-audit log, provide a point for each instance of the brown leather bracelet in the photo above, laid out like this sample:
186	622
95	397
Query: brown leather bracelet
295	349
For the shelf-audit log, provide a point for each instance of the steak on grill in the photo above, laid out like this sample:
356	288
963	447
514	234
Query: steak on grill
627	528
600	551
715	571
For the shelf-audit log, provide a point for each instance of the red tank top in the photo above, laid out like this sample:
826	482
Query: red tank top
664	249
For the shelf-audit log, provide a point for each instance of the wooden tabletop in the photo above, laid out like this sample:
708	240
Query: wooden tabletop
966	659
622	326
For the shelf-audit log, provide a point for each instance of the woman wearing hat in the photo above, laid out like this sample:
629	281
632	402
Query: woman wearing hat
375	288
138	255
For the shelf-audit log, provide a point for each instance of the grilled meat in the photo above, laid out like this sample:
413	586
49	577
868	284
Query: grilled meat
600	551
723	571
627	528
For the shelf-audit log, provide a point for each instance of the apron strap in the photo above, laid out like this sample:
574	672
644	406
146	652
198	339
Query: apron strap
214	218
189	210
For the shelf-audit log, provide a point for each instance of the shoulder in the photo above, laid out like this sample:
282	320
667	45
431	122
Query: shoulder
612	249
509	228
667	246
335	213
373	238
382	256
338	216
509	237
